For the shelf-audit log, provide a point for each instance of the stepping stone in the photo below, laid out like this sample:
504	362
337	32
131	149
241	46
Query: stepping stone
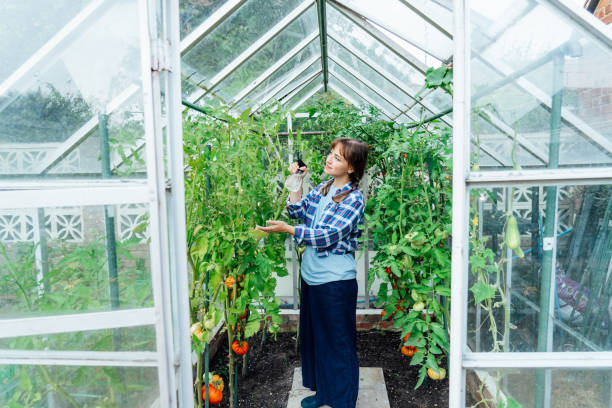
372	389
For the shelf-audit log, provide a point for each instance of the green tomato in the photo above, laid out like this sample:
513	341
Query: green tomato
419	306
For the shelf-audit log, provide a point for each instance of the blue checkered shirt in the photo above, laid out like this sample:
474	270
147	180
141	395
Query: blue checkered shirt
337	231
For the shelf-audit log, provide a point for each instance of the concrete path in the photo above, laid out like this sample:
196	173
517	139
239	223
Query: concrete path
372	389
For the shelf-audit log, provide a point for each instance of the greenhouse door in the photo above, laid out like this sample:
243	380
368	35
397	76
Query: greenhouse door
532	206
91	202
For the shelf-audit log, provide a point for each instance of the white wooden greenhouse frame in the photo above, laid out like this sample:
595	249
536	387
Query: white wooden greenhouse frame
336	51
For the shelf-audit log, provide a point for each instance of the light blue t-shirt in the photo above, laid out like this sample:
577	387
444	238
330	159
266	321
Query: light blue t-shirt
317	270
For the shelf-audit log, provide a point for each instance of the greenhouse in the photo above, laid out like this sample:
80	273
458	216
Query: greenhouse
144	144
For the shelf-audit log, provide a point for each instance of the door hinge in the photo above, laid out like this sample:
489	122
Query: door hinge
160	55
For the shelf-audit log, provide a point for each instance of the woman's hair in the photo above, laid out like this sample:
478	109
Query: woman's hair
355	152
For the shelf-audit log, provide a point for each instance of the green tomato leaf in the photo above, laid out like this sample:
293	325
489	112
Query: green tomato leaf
252	326
482	291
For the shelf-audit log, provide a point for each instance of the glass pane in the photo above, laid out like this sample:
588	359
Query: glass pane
285	71
406	24
557	60
195	12
337	51
347	93
502	281
268	55
488	138
25	27
123	339
54	260
361	88
312	102
59	386
235	34
569	388
316	83
357	38
285	90
60	102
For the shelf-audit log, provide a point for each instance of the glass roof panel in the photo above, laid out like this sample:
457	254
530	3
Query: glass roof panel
406	24
271	52
379	81
312	102
285	71
556	58
346	31
362	89
245	26
260	97
347	93
26	27
316	83
195	12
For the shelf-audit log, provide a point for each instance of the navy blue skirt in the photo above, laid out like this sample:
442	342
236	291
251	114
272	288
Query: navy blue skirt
328	342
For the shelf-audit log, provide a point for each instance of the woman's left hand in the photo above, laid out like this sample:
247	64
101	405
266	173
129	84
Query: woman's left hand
277	226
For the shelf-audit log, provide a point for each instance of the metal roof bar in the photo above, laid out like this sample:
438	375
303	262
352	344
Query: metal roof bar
391	44
370	85
425	17
210	24
305	98
362	95
344	95
273	68
323	38
369	23
283	99
252	49
295	74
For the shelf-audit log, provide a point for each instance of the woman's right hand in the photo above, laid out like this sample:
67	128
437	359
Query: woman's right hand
294	167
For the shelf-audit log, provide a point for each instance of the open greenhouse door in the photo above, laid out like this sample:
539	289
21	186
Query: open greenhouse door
91	268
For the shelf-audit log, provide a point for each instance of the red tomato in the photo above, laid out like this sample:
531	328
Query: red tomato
214	395
240	349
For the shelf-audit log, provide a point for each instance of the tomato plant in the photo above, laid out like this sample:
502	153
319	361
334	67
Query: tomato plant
234	166
408	220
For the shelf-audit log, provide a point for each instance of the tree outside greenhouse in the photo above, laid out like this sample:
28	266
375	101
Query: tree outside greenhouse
132	272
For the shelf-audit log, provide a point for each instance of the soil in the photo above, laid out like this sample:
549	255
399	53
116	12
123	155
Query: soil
271	366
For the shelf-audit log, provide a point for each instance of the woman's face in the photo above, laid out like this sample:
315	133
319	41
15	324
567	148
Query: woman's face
335	164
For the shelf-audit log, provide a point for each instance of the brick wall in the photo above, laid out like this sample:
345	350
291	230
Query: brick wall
604	11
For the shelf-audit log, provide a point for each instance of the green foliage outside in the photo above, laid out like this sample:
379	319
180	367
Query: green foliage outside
76	281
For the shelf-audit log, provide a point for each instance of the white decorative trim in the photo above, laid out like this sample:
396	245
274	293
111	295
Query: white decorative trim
63	223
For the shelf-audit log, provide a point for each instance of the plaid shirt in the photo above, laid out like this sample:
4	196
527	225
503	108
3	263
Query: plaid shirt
337	230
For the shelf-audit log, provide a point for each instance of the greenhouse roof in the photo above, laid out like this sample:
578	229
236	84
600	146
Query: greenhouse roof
247	54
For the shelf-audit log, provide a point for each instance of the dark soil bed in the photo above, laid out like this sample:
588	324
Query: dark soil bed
271	367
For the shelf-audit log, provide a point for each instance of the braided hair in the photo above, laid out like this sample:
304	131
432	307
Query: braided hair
355	152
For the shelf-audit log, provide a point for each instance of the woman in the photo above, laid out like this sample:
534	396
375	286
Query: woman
331	214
